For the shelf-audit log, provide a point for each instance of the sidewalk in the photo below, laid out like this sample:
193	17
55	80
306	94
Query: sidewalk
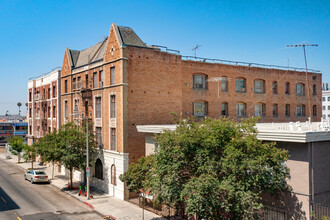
101	202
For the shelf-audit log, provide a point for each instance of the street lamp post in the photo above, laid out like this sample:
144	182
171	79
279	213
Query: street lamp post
87	158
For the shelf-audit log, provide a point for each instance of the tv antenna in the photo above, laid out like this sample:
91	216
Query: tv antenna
196	48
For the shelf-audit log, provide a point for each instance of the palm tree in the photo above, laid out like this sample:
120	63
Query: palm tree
26	104
19	107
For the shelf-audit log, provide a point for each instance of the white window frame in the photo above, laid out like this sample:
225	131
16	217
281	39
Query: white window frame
260	109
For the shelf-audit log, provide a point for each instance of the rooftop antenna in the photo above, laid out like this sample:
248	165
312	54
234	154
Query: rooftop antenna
307	82
195	49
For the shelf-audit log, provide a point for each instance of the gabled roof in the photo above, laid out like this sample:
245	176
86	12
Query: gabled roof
129	37
96	53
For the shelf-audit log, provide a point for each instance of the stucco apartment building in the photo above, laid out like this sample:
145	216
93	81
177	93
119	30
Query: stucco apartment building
43	105
121	82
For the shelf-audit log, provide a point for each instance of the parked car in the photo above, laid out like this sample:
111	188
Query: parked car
36	176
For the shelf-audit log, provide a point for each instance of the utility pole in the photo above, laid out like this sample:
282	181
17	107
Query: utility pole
306	70
195	49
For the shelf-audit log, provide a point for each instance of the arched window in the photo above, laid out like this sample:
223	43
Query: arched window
260	109
259	86
300	110
275	110
224	109
314	90
99	169
287	88
300	89
200	108
314	111
287	110
113	174
240	85
224	84
240	109
199	81
274	86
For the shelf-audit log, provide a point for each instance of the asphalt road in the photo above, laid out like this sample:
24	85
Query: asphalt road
21	200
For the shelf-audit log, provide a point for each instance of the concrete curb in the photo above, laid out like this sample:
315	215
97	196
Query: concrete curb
72	196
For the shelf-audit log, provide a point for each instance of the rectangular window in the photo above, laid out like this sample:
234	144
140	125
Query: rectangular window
329	98
48	93
49	111
300	89
113	139
240	85
66	86
66	109
30	112
199	81
95	80
98	107
30	96
79	82
324	116
224	84
323	99
328	107
74	86
54	91
200	109
86	81
76	106
54	111
259	86
224	109
314	90
101	79
323	107
112	75
240	109
99	137
113	106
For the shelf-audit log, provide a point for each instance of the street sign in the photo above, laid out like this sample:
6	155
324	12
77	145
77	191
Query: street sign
88	171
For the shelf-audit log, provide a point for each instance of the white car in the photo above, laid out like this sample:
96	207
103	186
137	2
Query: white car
36	176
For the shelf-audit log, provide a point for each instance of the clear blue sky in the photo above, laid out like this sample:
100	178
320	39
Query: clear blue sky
34	34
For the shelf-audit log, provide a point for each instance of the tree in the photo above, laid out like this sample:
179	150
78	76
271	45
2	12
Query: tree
16	146
30	152
19	107
26	105
72	141
215	169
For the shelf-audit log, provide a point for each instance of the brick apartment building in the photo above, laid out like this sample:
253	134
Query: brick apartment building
121	82
43	105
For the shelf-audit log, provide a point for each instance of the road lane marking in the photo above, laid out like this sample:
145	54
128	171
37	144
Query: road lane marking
17	216
3	199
